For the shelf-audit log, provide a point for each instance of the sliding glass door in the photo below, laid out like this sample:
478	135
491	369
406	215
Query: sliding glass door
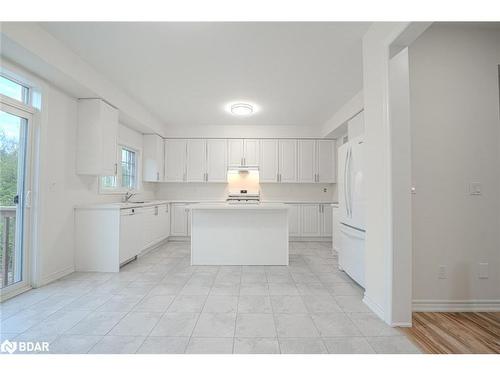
14	190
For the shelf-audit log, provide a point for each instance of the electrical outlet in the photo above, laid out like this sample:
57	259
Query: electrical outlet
475	188
483	270
325	190
442	273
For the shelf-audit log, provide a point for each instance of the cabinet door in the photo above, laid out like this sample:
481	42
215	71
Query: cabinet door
310	220
293	220
326	220
268	168
109	134
251	154
196	160
287	160
175	160
216	160
306	160
128	238
235	152
178	217
152	158
326	160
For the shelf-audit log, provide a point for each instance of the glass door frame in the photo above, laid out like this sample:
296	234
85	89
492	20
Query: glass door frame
23	233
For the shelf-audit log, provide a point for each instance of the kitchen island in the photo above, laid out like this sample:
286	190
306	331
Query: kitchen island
239	234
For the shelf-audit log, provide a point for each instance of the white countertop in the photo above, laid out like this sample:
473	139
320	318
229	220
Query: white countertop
238	206
121	205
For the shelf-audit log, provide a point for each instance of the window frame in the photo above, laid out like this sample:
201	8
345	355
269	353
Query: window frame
26	91
119	190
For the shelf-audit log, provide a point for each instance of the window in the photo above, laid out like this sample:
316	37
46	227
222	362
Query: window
126	179
14	90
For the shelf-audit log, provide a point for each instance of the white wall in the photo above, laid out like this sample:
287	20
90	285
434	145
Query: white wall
278	192
59	189
455	141
379	223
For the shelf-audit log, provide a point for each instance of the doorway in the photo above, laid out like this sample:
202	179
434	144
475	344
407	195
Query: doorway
15	189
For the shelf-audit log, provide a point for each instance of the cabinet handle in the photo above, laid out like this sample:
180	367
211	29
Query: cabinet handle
206	177
116	169
241	161
157	176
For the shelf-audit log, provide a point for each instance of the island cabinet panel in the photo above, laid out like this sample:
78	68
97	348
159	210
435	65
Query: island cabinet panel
326	220
268	168
216	160
196	160
175	160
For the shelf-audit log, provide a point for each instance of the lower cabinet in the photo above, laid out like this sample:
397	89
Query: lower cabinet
310	220
108	237
181	220
336	228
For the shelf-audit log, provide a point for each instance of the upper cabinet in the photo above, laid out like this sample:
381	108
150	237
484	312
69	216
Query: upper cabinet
175	160
196	166
326	156
243	152
216	160
268	168
153	158
316	160
96	138
195	160
283	160
287	160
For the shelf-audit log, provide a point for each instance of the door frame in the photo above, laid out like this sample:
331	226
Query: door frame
16	108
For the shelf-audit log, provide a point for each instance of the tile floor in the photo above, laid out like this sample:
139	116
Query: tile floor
162	304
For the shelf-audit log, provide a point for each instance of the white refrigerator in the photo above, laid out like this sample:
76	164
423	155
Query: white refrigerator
352	209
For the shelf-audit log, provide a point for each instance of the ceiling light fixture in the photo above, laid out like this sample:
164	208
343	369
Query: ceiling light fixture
241	109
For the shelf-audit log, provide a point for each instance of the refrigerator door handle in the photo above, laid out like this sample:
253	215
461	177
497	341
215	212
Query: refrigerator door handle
345	182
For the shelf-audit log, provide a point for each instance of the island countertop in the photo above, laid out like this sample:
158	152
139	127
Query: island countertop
238	206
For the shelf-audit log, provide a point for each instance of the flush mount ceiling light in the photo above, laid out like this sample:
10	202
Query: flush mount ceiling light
241	109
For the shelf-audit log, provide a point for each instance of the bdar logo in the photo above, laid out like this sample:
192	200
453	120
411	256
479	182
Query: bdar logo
8	347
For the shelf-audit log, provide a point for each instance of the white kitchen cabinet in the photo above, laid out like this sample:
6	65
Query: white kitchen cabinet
326	165
97	131
268	168
287	160
243	152
306	160
175	160
336	228
251	155
310	220
153	158
216	160
235	152
179	220
196	160
107	237
326	220
294	220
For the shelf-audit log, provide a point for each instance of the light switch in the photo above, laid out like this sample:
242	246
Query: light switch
475	188
442	272
483	270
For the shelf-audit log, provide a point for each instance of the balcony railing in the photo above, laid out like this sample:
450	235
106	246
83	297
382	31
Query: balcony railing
7	241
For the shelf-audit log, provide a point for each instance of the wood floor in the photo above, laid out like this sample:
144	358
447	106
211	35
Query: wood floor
456	333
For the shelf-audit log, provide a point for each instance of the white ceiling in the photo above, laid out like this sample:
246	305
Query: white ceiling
299	74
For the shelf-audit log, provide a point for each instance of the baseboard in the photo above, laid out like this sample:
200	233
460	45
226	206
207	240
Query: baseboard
456	305
179	239
54	276
375	307
153	246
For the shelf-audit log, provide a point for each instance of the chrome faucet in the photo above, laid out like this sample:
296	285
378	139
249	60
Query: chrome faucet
127	196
